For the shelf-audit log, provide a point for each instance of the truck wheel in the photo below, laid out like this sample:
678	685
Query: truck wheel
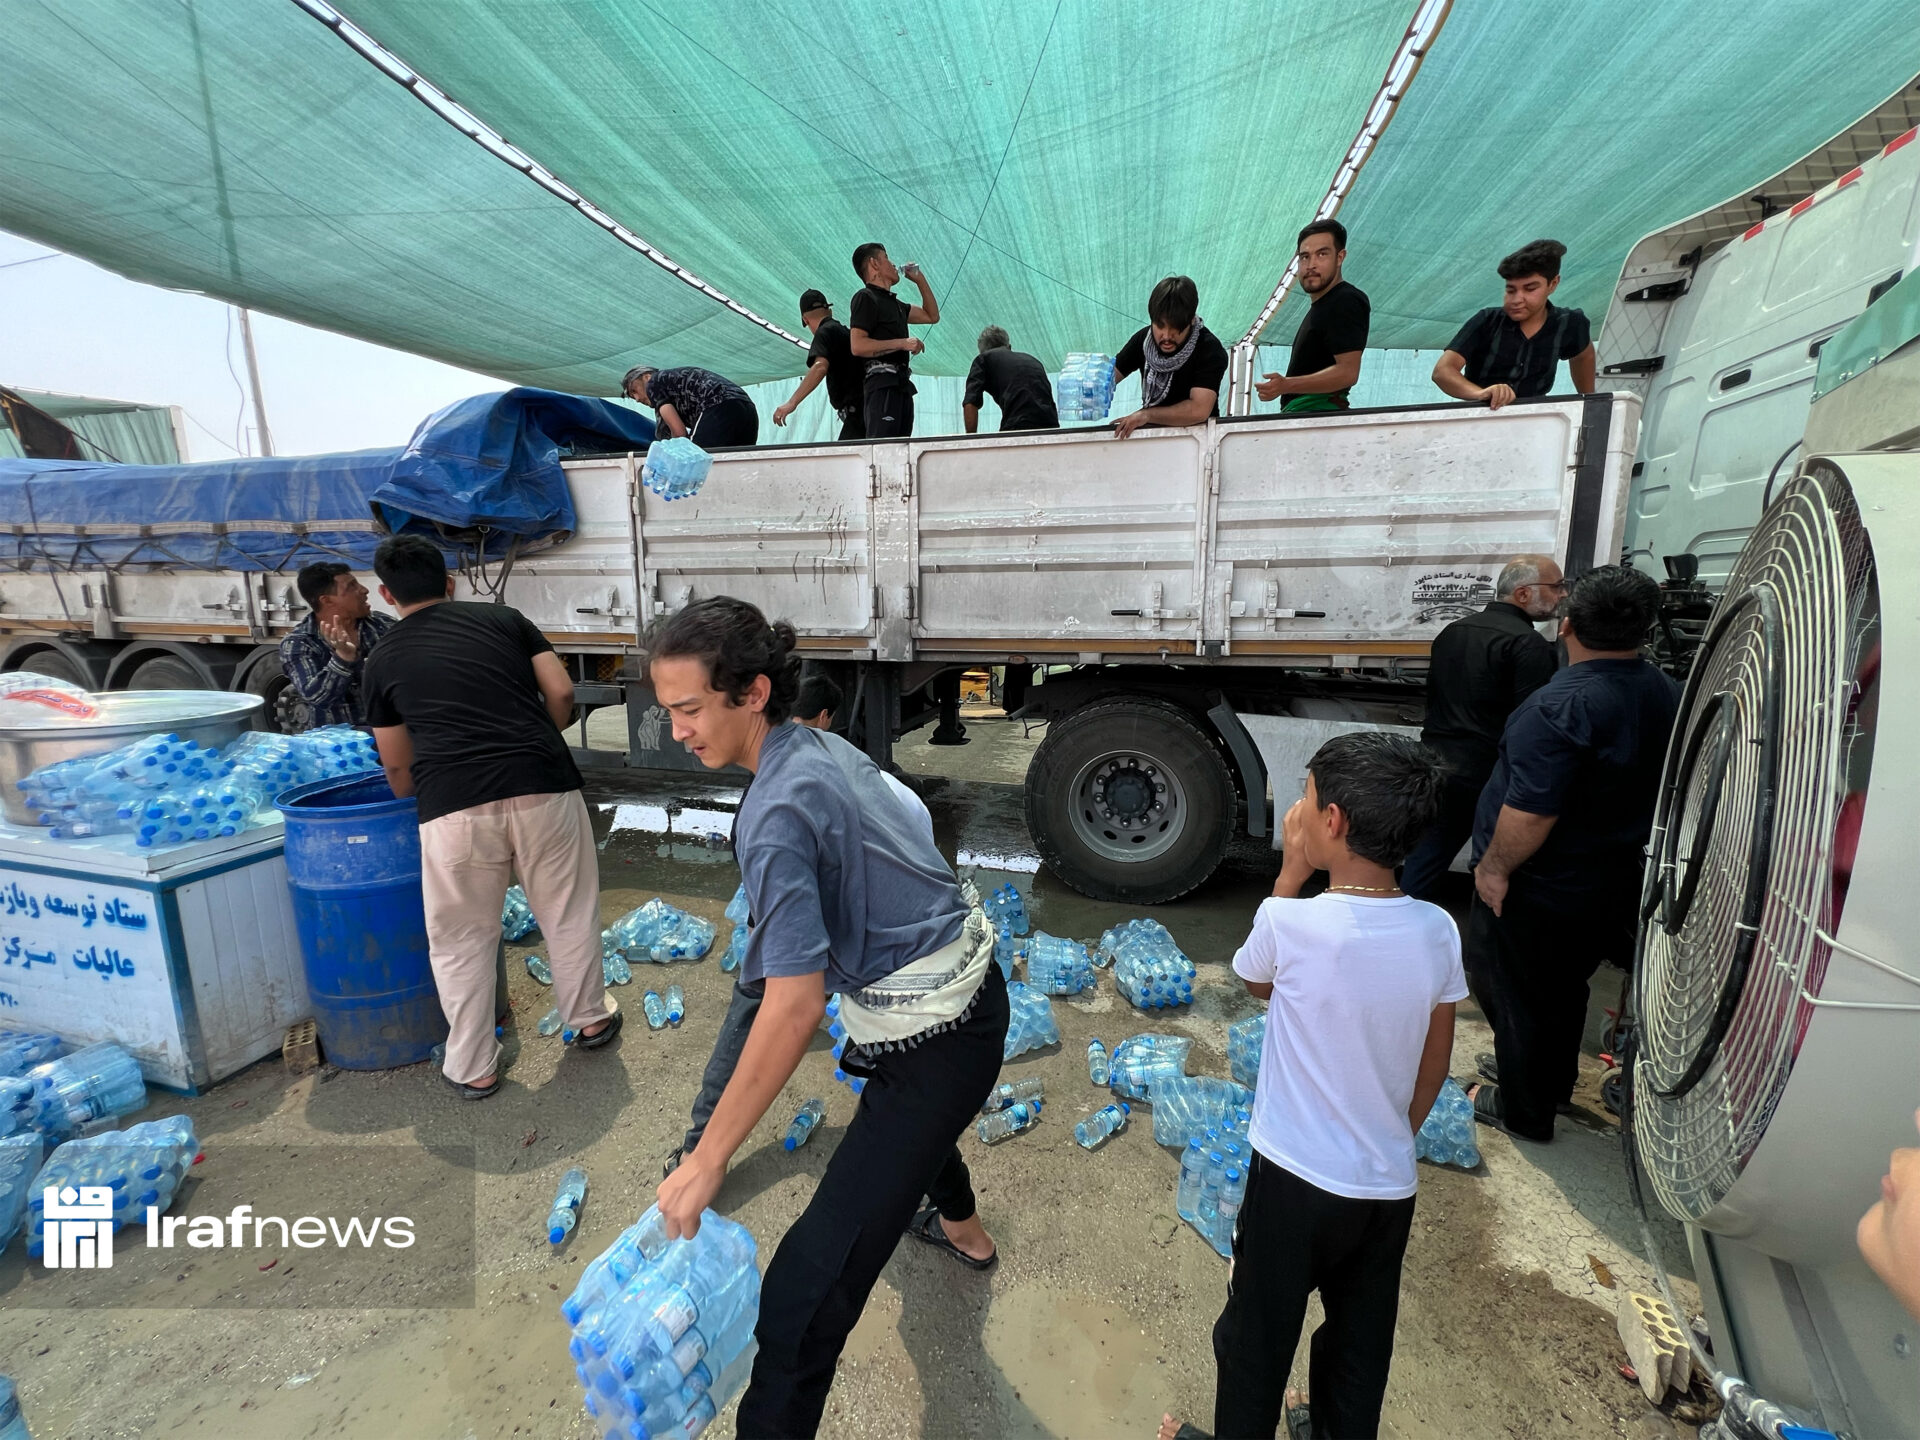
165	672
1130	800
56	666
285	711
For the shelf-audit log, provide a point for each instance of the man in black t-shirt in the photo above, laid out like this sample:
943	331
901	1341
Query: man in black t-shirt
877	321
830	358
1180	361
1512	352
1017	382
1324	363
466	702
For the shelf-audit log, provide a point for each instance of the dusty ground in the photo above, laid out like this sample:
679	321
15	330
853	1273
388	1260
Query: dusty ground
1097	1319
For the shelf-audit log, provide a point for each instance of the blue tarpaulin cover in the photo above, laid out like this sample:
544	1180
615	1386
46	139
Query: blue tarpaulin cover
482	474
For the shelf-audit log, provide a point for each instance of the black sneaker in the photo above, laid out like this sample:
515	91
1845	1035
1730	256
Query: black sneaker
672	1162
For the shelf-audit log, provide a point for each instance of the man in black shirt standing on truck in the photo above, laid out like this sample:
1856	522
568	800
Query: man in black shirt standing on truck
1324	363
830	358
1181	362
1016	381
1512	351
466	702
878	321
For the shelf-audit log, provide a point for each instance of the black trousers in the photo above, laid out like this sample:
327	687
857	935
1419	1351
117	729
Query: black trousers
853	422
1295	1238
1423	870
900	1146
889	412
731	422
1528	968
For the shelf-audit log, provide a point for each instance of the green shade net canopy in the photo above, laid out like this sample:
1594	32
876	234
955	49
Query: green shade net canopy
1045	162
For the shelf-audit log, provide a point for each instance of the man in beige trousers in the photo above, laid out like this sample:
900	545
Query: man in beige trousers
466	702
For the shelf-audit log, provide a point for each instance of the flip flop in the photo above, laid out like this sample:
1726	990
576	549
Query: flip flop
475	1092
1299	1421
1486	1106
594	1042
926	1227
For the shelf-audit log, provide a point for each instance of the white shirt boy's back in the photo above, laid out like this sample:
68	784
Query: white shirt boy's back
1355	982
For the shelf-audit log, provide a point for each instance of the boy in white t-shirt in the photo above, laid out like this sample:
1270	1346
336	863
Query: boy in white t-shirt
1361	981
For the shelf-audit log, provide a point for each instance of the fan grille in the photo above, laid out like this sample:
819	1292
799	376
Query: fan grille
1787	631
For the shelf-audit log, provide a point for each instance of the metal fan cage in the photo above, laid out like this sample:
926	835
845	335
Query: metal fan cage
1739	888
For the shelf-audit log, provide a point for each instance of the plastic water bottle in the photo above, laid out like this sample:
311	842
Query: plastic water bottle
676	468
1108	1120
1030	1022
676	1005
736	950
1208	1210
656	1009
1056	966
688	940
13	1425
91	1084
1009	1122
614	969
1006	906
20	1051
566	1205
539	969
811	1114
1012	1092
1004	948
1233	1190
551	1022
1097	1070
516	915
1193	1167
1245	1040
1084	390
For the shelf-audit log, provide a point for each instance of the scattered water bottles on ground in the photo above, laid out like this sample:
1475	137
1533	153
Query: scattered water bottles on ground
13	1425
21	1050
566	1205
658	932
1140	1060
1012	1092
516	916
550	1023
1097	1065
1141	929
140	1166
1150	970
1245	1040
1006	906
1003	1124
1056	966
614	969
19	1162
1084	390
676	1004
655	1008
804	1123
163	790
663	1330
1185	1105
1446	1136
539	969
62	1096
1090	1133
675	469
1030	1022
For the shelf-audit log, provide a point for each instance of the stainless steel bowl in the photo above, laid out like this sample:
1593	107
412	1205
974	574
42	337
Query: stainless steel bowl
210	717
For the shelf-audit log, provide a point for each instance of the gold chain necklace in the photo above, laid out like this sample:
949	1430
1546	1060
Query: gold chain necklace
1369	889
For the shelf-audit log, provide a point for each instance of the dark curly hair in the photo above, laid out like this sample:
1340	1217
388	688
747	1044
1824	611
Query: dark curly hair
1387	785
736	644
1613	607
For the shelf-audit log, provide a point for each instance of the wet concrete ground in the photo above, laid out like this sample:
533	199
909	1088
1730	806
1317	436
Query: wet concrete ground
1096	1320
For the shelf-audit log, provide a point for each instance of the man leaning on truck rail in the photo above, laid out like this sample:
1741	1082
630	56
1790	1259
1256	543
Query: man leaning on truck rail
325	655
1511	351
1181	362
1017	382
466	702
1323	364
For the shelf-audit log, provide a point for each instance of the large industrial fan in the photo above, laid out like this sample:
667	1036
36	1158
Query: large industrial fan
1778	982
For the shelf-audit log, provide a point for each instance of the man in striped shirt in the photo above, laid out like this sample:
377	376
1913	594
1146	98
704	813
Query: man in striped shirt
1511	352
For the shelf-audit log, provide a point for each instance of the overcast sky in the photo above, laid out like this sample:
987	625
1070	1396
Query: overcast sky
71	327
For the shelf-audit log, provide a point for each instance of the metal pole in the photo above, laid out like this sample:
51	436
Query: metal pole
253	379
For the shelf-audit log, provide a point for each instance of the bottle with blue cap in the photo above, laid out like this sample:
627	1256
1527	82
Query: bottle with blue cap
1109	1120
1193	1169
676	1005
1097	1069
566	1205
802	1128
1012	1092
1003	1124
656	1009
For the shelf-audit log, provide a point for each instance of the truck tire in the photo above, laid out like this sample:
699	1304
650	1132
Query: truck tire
165	672
285	710
56	666
1130	800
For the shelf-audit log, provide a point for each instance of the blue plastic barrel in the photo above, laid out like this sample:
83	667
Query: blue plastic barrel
353	862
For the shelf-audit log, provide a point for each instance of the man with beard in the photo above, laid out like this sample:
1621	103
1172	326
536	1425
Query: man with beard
1324	363
1180	361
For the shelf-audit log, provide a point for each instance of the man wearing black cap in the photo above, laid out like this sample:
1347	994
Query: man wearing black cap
830	359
